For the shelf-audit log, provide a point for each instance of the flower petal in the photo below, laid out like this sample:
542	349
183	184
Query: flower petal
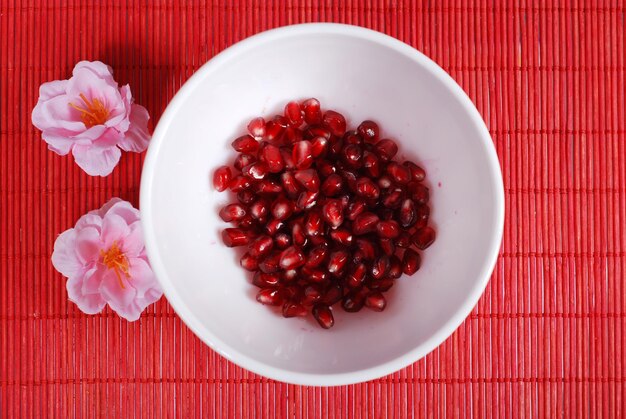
96	161
114	229
91	219
137	137
88	303
52	89
64	258
57	113
119	299
92	280
141	277
59	143
88	245
132	244
99	69
124	209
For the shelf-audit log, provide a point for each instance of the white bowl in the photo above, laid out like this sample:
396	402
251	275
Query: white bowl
364	75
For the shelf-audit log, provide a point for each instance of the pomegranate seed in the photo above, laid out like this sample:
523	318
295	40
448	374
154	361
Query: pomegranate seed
246	223
403	240
297	234
233	237
392	198
337	261
388	229
367	248
410	262
365	223
259	209
381	285
240	183
281	120
291	258
325	168
335	122
312	295
268	187
287	156
282	209
272	158
221	178
355	208
386	149
375	301
423	237
232	212
263	280
352	155
261	246
366	188
294	114
380	267
249	262
333	295
303	154
270	297
282	240
308	178
385	182
307	199
336	145
293	292
289	275
324	316
313	225
273	131
246	144
417	173
243	160
386	214
350	178
395	268
407	214
352	303
419	192
316	256
333	213
289	184
246	197
312	111
371	164
400	174
423	212
271	263
273	226
333	185
369	131
341	236
294	310
352	137
387	246
256	128
319	147
292	135
256	170
317	131
317	276
356	277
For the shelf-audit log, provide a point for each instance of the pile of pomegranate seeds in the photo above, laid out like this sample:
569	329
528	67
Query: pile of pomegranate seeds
327	214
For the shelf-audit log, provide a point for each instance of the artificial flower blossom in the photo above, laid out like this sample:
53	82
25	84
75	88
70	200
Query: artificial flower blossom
105	262
92	117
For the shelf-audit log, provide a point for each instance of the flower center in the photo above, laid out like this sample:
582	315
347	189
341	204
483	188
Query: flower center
92	113
115	259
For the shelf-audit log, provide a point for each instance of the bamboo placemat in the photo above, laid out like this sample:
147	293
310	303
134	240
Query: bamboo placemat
547	337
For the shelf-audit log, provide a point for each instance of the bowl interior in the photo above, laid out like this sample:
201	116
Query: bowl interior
364	75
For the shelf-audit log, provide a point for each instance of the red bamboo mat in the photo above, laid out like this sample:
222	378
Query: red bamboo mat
548	337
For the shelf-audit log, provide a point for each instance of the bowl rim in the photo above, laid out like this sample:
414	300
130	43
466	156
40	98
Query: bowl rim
231	353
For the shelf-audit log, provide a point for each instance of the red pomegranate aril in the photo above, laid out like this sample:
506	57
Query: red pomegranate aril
307	199
282	209
313	224
423	212
273	226
403	240
259	210
398	173
293	292
297	235
292	258
355	208
294	310
382	285
249	262
233	237
375	301
243	160
292	135
316	256
232	212
350	179
386	149
303	154
371	163
264	280
293	113
333	213
246	197
333	185
246	144
366	188
369	131
342	236
335	122
282	240
387	246
271	263
385	182
325	168
318	276
368	248
289	275
380	267
281	120
365	223
272	158
395	268
352	303
392	198
261	246
419	192
317	131
311	296
352	155
256	128
274	131
423	237
240	183
356	277
287	155
344	200
268	187
256	170
388	229
337	261
270	297
417	173
312	111
290	185
221	178
246	223
333	295
335	146
407	215
308	178
319	147
324	316
410	262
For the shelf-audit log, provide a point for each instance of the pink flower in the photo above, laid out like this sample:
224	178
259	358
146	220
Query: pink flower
92	117
105	262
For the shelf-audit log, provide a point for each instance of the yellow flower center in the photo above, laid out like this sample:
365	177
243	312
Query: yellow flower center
115	259
92	113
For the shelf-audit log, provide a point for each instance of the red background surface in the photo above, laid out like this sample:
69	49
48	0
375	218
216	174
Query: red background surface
547	337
